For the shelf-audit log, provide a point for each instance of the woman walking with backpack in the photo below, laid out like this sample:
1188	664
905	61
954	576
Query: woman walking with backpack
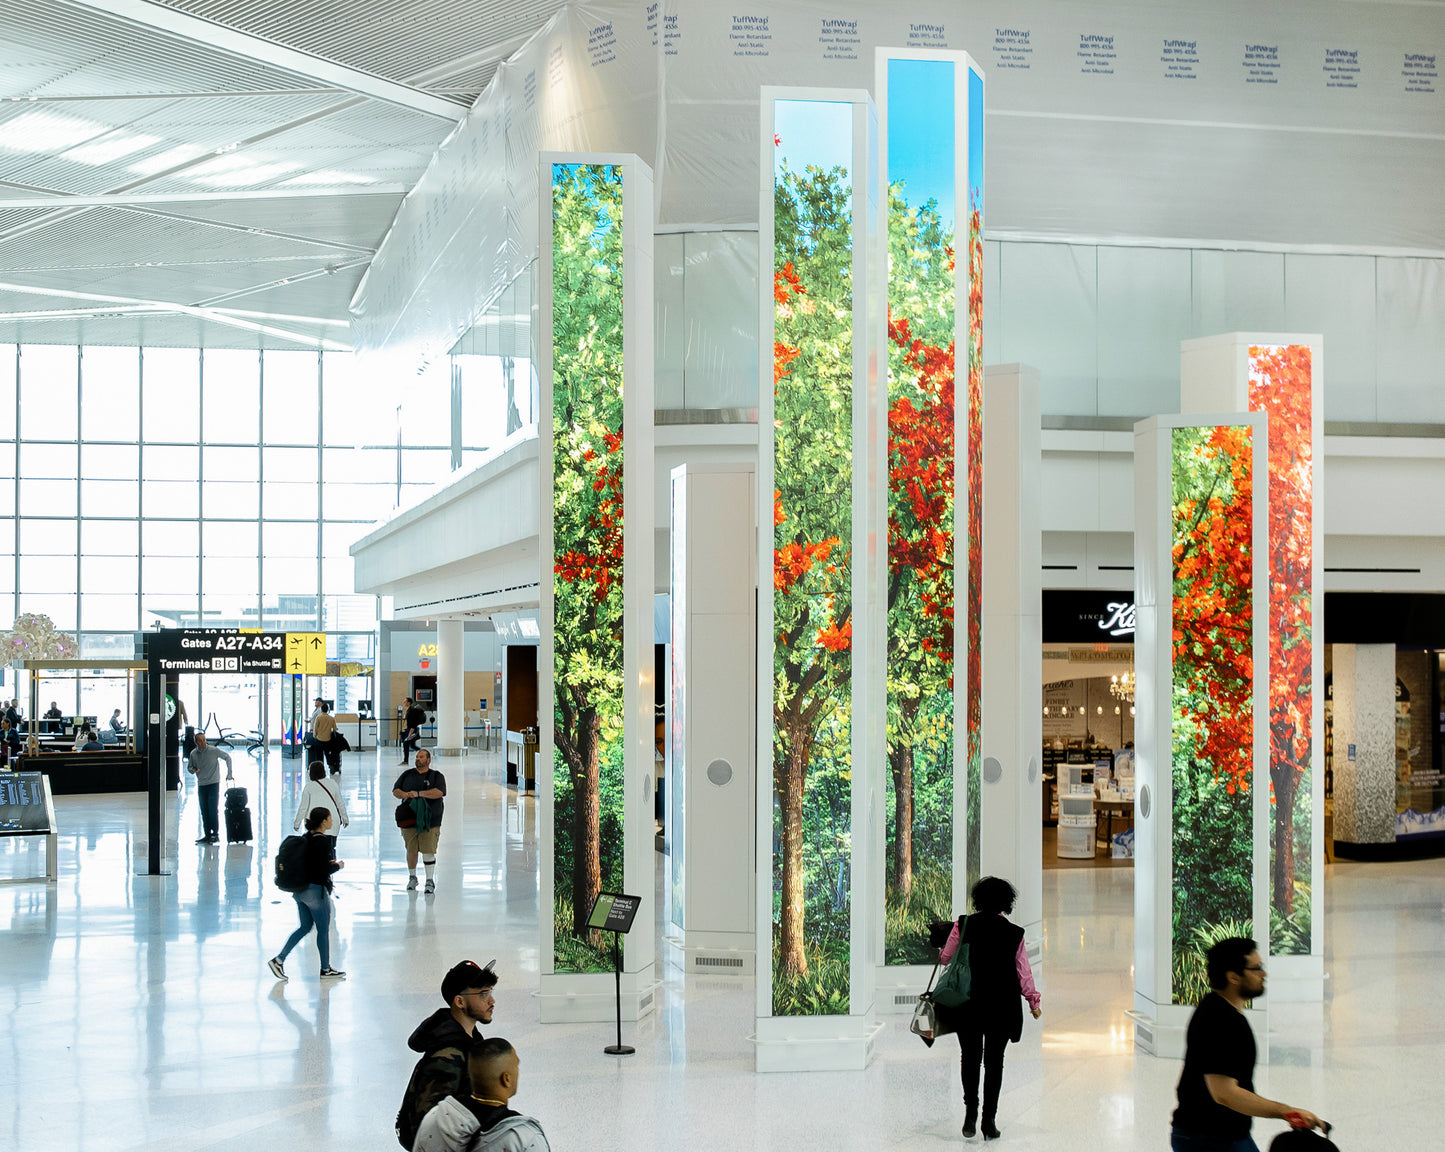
311	903
992	1015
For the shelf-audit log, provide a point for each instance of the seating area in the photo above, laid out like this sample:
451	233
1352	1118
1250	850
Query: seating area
77	773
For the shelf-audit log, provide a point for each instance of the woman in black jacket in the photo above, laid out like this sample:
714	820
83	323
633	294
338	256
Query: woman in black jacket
993	1014
311	901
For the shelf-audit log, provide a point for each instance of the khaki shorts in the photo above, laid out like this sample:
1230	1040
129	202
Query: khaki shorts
423	842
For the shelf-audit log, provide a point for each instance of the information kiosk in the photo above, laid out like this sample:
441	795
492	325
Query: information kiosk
26	809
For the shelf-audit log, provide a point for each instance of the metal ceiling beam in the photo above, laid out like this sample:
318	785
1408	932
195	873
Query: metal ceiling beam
261	51
128	303
128	199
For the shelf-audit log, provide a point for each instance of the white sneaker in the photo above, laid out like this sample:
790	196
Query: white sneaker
431	887
411	883
276	969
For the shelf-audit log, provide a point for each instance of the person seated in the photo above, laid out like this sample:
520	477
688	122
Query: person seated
53	717
9	741
117	725
92	742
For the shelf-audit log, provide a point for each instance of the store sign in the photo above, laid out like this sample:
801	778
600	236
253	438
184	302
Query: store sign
1086	616
215	650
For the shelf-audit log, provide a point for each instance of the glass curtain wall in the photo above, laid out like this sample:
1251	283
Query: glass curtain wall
144	487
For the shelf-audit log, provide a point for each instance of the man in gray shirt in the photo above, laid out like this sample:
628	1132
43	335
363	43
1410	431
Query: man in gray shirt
204	765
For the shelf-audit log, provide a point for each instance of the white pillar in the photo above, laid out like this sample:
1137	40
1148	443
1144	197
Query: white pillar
1363	678
594	674
821	619
1012	829
1186	882
711	774
451	679
1283	375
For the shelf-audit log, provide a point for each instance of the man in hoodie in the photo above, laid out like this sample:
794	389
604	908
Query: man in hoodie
444	1039
481	1117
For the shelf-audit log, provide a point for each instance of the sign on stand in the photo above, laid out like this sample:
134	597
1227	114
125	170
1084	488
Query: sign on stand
26	809
613	912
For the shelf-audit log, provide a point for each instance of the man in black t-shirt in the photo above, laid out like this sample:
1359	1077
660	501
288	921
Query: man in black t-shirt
411	724
422	790
1216	1089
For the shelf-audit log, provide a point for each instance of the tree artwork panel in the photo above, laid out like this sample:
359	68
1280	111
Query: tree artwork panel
587	447
922	464
1281	384
812	557
1212	702
973	865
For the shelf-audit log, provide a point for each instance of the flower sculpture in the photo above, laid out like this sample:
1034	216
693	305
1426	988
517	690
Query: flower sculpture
34	637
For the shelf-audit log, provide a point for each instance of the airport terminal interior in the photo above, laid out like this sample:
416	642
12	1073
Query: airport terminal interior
400	370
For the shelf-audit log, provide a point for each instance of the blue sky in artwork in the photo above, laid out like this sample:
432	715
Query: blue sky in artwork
921	133
816	132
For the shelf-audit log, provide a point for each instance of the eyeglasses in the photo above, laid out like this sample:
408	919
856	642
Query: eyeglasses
1253	968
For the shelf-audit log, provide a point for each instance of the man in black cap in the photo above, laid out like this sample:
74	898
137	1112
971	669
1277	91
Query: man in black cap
445	1039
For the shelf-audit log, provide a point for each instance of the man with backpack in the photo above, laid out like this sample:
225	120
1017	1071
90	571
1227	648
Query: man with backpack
445	1039
480	1119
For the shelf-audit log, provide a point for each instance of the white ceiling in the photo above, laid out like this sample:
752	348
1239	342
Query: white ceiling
220	171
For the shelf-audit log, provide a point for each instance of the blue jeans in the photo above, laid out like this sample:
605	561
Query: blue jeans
311	906
1181	1141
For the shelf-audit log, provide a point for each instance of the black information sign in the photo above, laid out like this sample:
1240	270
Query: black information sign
22	803
1086	616
215	650
613	912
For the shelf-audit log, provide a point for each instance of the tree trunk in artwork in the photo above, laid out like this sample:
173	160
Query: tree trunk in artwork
585	766
1286	782
900	762
789	774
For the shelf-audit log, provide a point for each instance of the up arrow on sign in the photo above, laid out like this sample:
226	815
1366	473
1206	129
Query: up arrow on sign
306	653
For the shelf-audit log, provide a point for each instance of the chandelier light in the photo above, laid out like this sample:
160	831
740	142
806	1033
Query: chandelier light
1122	687
34	637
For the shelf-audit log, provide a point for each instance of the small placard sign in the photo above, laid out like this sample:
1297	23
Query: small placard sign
613	912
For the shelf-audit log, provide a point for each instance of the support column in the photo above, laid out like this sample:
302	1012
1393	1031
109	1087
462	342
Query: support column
711	774
1012	833
1283	376
451	684
1363	679
595	761
931	193
822	546
1201	584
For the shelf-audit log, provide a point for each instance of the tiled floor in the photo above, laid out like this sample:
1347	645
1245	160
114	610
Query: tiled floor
141	1015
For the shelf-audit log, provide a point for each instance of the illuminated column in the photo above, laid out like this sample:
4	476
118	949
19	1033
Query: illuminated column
451	680
1284	377
822	544
595	693
1012	831
711	776
930	108
1202	697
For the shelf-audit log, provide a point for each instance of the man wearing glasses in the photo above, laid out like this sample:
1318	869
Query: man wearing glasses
1216	1089
445	1039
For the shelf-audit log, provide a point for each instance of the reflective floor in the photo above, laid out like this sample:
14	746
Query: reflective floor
141	1014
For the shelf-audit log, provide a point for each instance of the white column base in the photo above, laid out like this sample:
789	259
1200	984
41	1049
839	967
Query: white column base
1159	1029
712	953
896	988
1296	979
591	997
815	1043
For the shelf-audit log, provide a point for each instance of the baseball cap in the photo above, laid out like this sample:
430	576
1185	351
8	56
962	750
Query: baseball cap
468	974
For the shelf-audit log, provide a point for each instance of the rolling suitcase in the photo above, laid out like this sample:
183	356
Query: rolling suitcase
238	824
235	797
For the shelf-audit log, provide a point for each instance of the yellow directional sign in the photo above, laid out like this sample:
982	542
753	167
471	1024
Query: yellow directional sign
306	653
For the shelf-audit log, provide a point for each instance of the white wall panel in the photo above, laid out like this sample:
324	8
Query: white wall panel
1410	309
1056	330
1144	308
1336	295
1238	292
669	304
721	320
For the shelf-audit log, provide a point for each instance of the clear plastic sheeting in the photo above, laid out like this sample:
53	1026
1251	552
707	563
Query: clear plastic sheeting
586	82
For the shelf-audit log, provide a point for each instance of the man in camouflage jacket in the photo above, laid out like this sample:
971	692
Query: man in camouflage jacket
444	1039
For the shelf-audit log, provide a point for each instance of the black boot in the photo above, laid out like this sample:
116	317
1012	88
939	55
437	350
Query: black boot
970	1121
990	1130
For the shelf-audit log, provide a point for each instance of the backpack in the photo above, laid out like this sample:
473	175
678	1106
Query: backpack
291	865
955	985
